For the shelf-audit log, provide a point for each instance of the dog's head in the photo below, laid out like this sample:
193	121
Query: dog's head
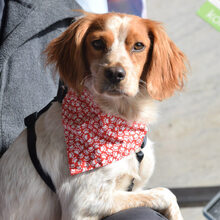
118	53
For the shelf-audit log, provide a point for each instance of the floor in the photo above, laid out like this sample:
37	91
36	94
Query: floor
187	134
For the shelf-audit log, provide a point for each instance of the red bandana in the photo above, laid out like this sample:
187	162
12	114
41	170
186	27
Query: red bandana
95	139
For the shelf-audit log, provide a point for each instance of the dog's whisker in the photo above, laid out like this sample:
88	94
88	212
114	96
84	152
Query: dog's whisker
103	64
85	79
142	82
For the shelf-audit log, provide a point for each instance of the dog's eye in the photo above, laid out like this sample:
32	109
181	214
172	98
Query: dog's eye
98	44
138	47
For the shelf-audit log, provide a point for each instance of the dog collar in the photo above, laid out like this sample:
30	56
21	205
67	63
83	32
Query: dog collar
95	139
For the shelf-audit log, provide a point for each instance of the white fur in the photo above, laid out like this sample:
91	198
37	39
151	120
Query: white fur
119	27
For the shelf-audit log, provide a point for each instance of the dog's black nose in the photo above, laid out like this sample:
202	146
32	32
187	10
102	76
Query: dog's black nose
115	74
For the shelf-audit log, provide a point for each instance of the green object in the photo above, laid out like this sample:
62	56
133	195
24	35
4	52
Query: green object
211	14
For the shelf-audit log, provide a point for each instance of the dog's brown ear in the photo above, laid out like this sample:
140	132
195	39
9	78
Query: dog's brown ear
166	68
66	52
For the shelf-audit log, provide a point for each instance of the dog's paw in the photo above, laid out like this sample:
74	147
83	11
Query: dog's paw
173	212
165	202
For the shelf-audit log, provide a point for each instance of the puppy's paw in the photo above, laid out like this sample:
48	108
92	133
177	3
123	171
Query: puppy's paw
165	202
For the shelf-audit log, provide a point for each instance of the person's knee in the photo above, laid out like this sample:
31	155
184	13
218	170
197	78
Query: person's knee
140	213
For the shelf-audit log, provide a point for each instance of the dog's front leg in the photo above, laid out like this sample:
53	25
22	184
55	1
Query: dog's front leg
80	204
83	199
159	199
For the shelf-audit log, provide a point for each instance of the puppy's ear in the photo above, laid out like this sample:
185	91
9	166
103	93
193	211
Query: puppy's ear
67	53
166	68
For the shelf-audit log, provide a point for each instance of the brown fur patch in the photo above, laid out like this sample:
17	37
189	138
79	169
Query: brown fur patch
67	53
166	64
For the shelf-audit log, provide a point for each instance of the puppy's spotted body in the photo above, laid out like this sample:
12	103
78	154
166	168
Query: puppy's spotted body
126	63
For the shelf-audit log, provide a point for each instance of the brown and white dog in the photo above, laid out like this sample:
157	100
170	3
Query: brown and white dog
126	62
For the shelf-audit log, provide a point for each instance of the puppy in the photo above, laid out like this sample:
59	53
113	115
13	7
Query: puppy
123	63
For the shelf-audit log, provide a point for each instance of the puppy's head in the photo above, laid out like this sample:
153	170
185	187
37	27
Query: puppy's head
118	54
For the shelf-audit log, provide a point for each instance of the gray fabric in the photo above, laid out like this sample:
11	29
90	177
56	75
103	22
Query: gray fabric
25	84
2	5
140	213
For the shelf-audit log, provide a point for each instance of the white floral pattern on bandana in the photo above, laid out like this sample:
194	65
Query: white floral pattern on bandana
95	139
